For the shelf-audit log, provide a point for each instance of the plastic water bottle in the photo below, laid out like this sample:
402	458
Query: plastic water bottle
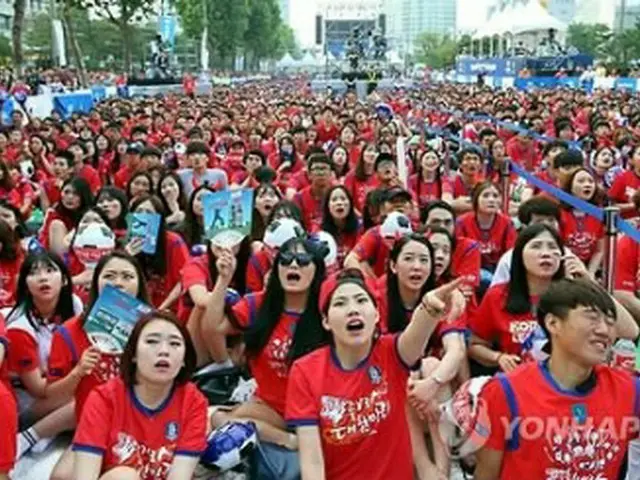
623	355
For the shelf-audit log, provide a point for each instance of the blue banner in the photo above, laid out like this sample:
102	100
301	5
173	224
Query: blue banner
495	67
167	27
630	84
70	103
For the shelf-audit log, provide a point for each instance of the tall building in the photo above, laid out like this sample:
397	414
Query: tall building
563	10
6	13
284	11
596	11
407	19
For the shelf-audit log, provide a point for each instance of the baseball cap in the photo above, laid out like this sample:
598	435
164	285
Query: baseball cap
135	148
397	192
349	275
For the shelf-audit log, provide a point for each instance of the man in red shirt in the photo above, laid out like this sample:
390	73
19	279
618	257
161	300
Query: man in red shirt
311	199
522	150
570	416
625	186
132	164
9	424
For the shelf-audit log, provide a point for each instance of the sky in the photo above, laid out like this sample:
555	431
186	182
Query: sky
303	12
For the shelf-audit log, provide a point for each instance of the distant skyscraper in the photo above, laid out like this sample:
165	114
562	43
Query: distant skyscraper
407	19
284	11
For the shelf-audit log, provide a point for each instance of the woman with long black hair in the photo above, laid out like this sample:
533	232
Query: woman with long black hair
75	366
339	218
114	204
162	268
193	231
280	324
427	183
44	300
507	314
75	199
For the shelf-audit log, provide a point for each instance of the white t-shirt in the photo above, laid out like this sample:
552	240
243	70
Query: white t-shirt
503	270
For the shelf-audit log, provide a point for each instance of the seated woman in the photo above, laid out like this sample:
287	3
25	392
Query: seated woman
162	268
44	301
493	230
75	199
75	366
347	400
506	316
280	324
113	203
151	422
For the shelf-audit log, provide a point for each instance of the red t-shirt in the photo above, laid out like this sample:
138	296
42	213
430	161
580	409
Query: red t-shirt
623	188
560	434
425	192
67	346
116	426
466	261
494	241
627	265
121	177
581	233
92	177
8	428
491	321
524	155
4	365
270	367
360	188
311	208
461	189
176	256
51	190
299	180
195	272
360	413
9	271
346	242
12	196
51	215
327	133
372	248
259	264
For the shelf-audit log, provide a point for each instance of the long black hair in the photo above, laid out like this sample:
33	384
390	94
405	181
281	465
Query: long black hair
420	181
182	200
446	276
518	301
21	228
156	263
259	224
114	193
309	333
94	291
359	169
193	231
24	298
10	242
328	223
396	313
83	191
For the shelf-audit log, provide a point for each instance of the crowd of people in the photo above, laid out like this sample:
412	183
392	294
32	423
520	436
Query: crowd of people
427	287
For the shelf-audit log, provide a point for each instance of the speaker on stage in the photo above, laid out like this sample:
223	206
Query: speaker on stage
382	24
318	29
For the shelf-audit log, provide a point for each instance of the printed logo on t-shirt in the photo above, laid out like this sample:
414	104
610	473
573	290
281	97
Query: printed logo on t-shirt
149	463
346	421
580	453
374	374
521	330
278	352
107	368
171	431
581	244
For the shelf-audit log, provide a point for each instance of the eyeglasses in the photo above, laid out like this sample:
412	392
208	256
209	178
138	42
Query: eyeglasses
302	258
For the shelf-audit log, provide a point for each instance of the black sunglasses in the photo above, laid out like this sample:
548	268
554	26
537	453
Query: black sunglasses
302	258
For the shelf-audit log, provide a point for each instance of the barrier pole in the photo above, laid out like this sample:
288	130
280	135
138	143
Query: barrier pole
610	243
505	182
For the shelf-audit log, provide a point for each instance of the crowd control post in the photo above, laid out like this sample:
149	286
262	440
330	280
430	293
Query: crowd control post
505	184
611	215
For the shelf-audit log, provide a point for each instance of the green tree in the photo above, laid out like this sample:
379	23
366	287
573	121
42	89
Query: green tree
263	28
226	22
436	51
122	14
588	39
37	33
287	43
